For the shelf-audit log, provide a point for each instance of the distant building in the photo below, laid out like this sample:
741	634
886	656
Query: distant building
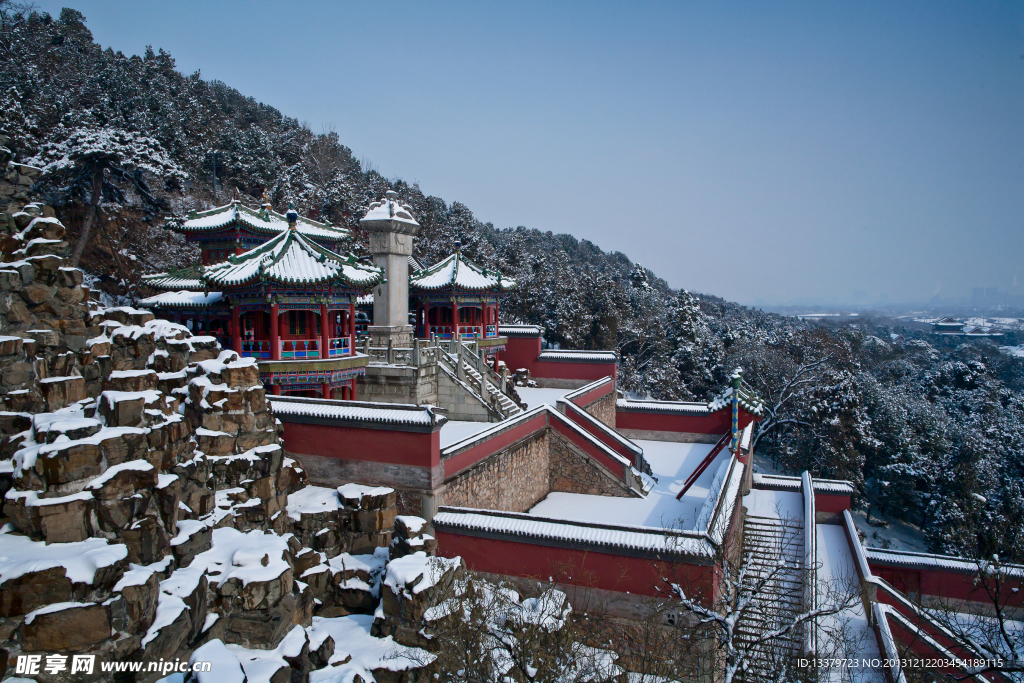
948	326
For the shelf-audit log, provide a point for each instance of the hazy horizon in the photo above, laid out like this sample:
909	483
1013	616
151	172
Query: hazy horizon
851	152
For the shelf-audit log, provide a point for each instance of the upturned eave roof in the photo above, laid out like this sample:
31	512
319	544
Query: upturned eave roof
292	258
458	273
190	279
264	221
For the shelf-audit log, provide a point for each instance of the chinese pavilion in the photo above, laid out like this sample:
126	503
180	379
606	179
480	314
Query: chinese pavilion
458	299
289	301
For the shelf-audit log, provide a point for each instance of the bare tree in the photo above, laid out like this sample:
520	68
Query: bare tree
991	630
753	629
484	632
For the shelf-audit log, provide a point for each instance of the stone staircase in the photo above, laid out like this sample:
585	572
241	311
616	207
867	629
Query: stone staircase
767	540
482	382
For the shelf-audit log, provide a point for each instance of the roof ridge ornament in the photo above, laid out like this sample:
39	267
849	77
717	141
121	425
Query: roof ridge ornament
292	216
234	197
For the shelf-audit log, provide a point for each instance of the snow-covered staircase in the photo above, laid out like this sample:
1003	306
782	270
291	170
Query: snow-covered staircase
481	381
767	541
506	405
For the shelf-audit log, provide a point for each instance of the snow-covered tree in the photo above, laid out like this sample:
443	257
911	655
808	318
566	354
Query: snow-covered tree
86	160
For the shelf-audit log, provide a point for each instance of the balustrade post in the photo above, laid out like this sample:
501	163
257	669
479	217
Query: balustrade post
416	352
460	372
391	351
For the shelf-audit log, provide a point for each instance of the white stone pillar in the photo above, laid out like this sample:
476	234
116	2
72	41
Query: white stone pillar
391	227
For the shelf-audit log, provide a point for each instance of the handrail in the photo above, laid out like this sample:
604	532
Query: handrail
708	459
591	421
720	500
586	388
810	558
889	653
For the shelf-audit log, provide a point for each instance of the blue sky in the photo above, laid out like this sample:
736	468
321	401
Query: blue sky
764	152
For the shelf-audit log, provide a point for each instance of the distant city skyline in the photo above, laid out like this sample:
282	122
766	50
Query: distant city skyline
866	148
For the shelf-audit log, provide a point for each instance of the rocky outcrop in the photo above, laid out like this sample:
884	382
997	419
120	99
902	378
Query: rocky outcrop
152	512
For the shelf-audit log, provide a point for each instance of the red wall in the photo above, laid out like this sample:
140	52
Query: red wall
354	443
716	423
520	352
587	447
589	397
590	569
941	583
470	457
827	502
574	370
601	435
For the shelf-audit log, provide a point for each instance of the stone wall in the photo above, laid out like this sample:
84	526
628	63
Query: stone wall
325	471
573	472
603	409
461	403
514	480
399	384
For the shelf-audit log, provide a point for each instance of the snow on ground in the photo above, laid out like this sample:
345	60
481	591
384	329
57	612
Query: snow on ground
454	431
837	568
671	463
898	535
356	652
537	397
775	504
1017	351
763	465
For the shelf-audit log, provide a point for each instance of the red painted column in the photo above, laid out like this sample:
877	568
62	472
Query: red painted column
426	321
455	320
351	329
275	336
275	389
236	330
325	333
352	390
325	390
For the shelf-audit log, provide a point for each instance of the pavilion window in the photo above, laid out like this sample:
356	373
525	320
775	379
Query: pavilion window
297	322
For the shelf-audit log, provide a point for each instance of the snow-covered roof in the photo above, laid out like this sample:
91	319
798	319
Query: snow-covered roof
575	356
903	558
605	536
265	221
681	407
778	482
456	272
181	298
356	411
520	330
291	257
390	209
176	280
